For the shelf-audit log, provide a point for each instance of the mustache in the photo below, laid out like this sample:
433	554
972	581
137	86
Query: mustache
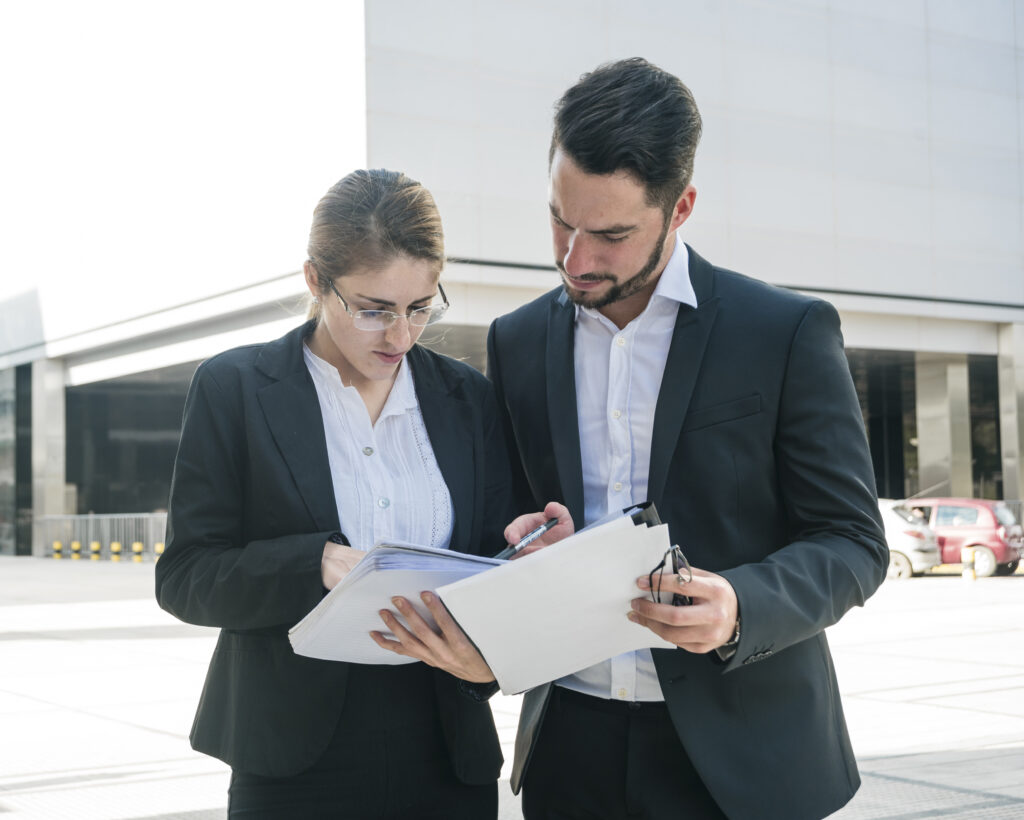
587	277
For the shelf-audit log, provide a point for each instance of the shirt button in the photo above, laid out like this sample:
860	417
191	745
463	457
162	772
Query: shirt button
616	414
621	693
383	503
367	451
617	486
620	341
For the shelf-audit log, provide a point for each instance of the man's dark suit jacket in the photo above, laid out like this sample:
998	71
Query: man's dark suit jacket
760	467
252	505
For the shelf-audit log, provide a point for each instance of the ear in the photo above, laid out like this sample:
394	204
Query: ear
683	208
309	272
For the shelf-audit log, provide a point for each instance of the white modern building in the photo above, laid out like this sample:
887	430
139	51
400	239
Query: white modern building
162	166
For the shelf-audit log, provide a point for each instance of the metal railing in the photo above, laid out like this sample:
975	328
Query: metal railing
104	537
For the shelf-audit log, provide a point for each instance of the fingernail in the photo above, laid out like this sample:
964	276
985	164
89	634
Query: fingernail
633	617
427	597
634	604
643	582
399	602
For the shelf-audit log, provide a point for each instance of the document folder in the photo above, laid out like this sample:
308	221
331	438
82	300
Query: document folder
535	619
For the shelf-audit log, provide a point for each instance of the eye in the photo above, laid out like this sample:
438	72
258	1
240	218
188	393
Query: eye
614	239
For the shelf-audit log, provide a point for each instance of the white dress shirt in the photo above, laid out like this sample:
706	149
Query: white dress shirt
618	377
387	484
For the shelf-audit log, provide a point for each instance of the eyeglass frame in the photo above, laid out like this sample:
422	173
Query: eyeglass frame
437	311
680	564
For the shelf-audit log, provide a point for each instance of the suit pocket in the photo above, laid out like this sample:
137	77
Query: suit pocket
718	413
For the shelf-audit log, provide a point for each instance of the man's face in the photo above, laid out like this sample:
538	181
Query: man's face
609	243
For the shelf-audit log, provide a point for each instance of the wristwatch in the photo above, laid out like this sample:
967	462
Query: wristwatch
728	649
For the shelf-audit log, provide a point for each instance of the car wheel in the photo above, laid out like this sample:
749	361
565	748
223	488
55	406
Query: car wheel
899	566
984	562
1008	569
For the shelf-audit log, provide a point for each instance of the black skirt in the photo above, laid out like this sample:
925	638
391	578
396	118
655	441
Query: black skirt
387	759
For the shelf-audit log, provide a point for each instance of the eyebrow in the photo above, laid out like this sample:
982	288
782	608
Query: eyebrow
612	229
386	303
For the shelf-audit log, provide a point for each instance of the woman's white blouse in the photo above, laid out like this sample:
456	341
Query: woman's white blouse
387	484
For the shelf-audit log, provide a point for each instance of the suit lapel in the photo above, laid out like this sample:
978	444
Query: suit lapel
685	356
562	413
292	412
448	419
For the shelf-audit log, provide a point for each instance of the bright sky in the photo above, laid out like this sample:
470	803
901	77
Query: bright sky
156	152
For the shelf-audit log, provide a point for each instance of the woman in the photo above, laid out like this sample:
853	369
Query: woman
344	431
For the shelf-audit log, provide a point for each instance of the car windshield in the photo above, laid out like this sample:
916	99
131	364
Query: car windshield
1004	516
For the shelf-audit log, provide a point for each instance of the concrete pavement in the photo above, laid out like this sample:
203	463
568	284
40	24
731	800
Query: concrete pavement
98	687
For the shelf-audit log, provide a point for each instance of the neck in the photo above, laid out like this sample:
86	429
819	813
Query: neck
373	392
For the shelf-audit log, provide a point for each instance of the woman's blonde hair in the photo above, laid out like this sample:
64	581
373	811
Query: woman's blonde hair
368	219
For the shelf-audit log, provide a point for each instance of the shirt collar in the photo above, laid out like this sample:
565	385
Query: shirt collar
403	392
674	282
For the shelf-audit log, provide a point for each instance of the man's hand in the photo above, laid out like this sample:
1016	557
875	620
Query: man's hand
450	650
337	562
701	627
515	531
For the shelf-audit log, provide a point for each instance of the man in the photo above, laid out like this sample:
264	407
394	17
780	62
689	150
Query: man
652	374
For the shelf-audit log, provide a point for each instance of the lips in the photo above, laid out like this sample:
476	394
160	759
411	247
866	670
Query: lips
388	358
582	284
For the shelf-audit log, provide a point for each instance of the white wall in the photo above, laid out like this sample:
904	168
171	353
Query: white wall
864	146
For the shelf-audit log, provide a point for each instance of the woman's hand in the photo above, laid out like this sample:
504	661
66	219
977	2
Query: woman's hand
449	650
337	562
515	531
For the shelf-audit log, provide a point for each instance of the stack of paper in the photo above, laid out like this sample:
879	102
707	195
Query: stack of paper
338	629
534	619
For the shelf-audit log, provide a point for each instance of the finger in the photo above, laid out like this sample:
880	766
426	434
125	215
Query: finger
686	616
388	644
415	623
443	618
702	586
519	527
688	638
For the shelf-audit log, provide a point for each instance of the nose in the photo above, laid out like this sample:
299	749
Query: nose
399	335
577	259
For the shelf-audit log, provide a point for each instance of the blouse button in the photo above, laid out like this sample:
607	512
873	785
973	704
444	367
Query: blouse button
367	451
383	503
620	341
617	486
616	414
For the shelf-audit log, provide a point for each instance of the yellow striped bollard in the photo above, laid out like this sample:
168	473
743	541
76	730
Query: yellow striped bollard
58	550
115	551
137	552
94	551
76	550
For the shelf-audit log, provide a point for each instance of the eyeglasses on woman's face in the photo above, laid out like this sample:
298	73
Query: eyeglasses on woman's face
383	319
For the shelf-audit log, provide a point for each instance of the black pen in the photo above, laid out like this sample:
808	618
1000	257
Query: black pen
529	538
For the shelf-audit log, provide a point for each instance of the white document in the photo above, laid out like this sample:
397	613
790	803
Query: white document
562	608
338	628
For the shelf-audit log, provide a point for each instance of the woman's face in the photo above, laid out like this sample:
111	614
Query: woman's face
364	356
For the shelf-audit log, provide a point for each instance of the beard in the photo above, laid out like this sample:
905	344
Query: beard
619	290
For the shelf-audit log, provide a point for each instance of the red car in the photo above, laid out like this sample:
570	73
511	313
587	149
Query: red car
988	526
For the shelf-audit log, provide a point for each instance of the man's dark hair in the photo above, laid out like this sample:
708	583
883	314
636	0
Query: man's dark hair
631	116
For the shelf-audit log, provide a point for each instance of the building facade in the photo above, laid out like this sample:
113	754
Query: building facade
868	153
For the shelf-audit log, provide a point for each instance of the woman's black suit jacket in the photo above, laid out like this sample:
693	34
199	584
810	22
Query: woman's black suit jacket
252	504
